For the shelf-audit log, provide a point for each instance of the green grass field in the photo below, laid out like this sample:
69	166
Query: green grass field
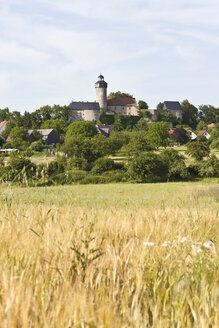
118	255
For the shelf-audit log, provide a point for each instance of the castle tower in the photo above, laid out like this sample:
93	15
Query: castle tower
101	92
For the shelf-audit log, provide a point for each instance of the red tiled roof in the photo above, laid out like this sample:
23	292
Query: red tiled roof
8	139
200	133
211	125
2	123
122	101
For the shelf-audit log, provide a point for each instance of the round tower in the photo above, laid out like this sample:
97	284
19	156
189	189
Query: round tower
101	92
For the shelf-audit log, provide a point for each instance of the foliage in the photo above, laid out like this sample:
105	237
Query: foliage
82	151
215	144
37	146
209	114
168	117
117	140
139	141
102	164
81	128
106	119
160	106
56	167
175	163
142	105
198	149
2	141
142	124
158	134
120	94
147	167
201	126
57	124
9	126
19	138
210	167
189	114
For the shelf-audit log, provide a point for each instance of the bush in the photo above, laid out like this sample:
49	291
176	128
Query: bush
198	149
92	179
102	165
37	146
82	128
147	167
175	163
115	176
210	167
69	177
215	144
56	167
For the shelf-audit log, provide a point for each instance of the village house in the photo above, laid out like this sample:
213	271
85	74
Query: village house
49	136
2	126
203	134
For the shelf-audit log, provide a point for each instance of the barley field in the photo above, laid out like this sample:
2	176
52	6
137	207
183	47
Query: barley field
118	255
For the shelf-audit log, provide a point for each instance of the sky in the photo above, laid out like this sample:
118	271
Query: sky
52	51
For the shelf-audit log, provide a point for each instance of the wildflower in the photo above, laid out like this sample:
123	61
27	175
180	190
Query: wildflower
183	240
208	244
147	243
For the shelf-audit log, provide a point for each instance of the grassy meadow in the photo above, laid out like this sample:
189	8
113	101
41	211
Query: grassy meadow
118	255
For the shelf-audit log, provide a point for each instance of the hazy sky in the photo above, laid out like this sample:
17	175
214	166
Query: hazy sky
51	51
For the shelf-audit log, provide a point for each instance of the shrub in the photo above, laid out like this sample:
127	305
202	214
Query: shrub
82	128
215	144
115	176
55	167
210	167
147	167
102	165
69	177
175	163
37	146
198	149
92	179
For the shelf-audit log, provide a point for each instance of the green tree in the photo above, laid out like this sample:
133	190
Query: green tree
118	124
120	94
138	143
4	114
19	138
142	125
147	167
160	106
201	126
168	117
142	104
208	114
175	163
117	140
57	124
198	149
81	128
189	114
210	167
9	126
157	134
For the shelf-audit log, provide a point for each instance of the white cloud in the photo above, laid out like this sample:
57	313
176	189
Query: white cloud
58	46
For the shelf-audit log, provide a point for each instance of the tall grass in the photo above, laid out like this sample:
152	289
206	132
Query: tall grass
94	266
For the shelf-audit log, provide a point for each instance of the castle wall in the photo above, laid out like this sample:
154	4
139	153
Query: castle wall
84	115
123	110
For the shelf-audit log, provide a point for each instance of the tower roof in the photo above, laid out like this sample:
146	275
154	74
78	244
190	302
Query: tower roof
100	83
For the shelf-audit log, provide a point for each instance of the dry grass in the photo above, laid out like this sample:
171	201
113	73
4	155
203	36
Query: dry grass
65	264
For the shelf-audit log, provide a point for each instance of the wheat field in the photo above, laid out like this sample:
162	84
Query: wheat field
110	256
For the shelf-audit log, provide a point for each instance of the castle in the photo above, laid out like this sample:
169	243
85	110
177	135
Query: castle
127	106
